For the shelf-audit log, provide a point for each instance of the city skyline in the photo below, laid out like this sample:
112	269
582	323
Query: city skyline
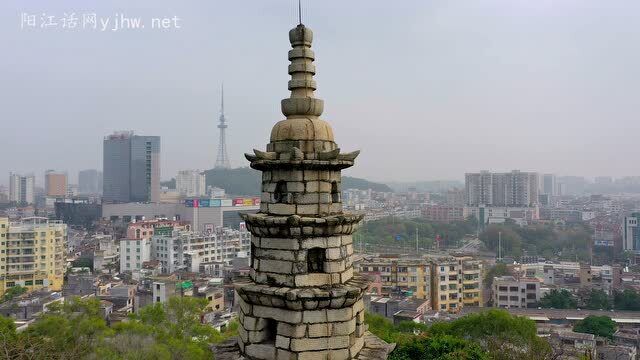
538	88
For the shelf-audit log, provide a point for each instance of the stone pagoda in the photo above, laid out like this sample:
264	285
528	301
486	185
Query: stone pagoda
302	299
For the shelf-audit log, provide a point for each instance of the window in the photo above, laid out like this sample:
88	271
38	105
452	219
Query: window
315	260
271	330
281	195
28	283
39	282
335	192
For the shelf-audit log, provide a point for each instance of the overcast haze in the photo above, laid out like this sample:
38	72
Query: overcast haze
426	89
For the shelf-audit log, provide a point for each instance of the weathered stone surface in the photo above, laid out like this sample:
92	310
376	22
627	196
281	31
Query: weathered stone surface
288	316
292	331
261	351
302	300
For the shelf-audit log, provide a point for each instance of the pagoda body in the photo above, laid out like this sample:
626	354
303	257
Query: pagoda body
302	299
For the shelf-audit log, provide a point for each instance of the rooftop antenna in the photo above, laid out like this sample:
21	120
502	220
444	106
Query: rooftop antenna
300	12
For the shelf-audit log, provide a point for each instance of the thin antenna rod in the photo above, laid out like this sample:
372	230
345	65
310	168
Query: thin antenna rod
222	101
299	12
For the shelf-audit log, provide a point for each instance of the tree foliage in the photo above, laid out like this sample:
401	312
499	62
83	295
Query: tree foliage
401	232
596	325
596	299
492	334
546	240
13	292
559	299
77	330
499	269
627	299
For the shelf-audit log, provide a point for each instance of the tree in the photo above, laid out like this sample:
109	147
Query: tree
510	240
76	330
13	292
626	300
597	299
499	269
559	299
596	325
439	347
492	334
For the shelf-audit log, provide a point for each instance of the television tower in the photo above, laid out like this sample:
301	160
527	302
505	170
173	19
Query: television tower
222	161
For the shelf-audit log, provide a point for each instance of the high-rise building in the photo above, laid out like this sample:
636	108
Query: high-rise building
191	183
549	185
32	253
512	189
22	188
131	168
55	183
89	182
631	233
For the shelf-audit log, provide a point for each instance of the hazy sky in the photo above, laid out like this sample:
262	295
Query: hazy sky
426	89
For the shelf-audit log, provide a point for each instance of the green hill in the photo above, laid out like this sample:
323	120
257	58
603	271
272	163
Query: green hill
246	181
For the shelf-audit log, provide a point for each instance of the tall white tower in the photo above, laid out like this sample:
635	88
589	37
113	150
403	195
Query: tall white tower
222	161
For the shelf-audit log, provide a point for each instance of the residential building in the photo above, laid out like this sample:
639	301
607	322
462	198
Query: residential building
410	276
456	282
511	292
631	233
449	283
388	306
512	189
55	184
455	197
32	253
549	185
443	213
191	183
22	188
131	170
90	182
499	214
134	252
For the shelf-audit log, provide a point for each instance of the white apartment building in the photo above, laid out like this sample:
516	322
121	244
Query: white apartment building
191	183
512	189
511	292
188	250
134	252
22	188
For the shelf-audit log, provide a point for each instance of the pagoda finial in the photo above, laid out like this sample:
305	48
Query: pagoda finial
302	85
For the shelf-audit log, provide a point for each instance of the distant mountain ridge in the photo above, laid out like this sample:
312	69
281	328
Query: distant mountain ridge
246	181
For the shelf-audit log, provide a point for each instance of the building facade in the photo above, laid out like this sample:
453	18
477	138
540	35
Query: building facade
511	292
443	213
512	189
32	253
631	233
22	188
133	253
55	184
448	283
456	282
191	183
549	185
89	182
131	168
